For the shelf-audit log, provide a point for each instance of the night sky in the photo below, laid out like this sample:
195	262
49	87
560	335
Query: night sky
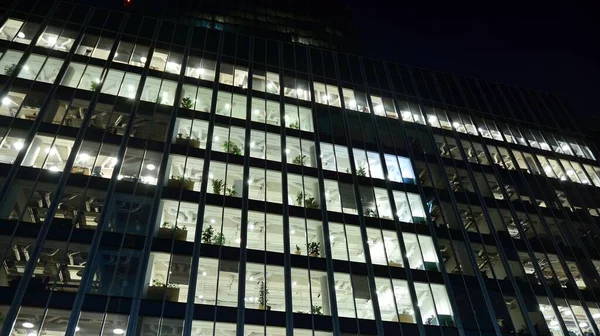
547	46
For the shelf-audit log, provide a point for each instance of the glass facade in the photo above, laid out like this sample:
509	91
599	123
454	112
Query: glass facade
161	178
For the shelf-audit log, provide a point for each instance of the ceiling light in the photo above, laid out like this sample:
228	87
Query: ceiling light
269	85
256	111
114	161
27	325
201	71
6	101
252	144
249	181
455	124
216	138
287	151
212	221
33	333
54	169
210	176
21	35
570	172
204	273
352	103
26	67
51	40
300	91
51	150
293	231
143	59
378	108
251	278
237	240
227	106
294	283
118	331
77	328
326	98
116	54
150	167
432	119
172	64
251	227
583	325
596	316
84	156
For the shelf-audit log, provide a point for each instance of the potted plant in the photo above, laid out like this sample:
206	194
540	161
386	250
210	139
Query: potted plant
300	160
9	69
263	294
311	203
158	289
187	140
231	148
316	310
207	235
230	191
94	85
308	202
295	125
169	231
298	251
299	198
218	186
218	239
313	249
361	171
370	212
186	102
180	182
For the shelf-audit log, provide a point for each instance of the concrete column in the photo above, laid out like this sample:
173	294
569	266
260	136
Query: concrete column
325	295
33	152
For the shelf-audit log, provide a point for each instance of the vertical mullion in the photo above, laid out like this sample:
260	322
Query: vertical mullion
189	308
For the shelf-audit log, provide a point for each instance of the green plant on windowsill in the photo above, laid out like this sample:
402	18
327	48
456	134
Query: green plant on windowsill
94	85
311	203
316	310
299	199
9	69
218	239
295	125
263	293
207	235
298	251
231	148
300	160
181	178
370	213
187	103
307	202
230	191
313	249
361	171
218	186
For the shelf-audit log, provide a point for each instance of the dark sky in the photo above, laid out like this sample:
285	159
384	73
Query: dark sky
542	45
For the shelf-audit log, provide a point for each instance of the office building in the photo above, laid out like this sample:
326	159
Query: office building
172	176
